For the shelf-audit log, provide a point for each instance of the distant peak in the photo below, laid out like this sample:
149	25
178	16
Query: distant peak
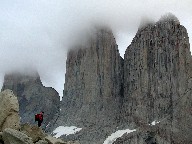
34	74
100	29
95	32
169	17
103	29
145	21
22	76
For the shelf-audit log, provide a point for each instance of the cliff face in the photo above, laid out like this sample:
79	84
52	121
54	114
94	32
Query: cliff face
157	80
93	86
33	97
152	83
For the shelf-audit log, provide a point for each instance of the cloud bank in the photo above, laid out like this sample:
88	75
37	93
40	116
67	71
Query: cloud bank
38	33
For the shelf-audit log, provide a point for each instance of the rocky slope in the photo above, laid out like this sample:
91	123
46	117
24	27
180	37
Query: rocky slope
33	97
93	87
11	132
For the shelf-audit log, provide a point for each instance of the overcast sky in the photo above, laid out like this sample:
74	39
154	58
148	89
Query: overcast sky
38	33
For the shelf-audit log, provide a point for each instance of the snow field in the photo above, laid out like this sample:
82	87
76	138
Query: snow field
65	130
116	135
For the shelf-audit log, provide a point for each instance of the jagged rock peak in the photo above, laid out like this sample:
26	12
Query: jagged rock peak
157	79
104	30
93	34
93	85
166	20
145	21
22	77
169	17
168	24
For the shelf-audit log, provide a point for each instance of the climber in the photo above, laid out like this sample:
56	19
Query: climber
39	118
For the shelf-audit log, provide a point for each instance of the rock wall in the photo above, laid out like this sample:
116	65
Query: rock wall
93	87
157	79
9	109
154	85
33	97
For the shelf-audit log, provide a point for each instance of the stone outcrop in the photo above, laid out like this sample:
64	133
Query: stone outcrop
41	142
34	132
11	136
157	80
52	140
93	86
11	132
9	111
33	96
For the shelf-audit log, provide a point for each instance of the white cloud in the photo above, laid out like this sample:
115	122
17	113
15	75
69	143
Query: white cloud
38	33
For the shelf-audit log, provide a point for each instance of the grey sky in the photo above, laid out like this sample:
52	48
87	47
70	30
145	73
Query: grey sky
37	33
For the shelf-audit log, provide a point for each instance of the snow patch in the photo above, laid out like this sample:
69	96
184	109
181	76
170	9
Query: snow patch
154	122
64	130
116	135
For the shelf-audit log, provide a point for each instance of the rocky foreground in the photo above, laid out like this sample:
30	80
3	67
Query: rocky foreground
12	132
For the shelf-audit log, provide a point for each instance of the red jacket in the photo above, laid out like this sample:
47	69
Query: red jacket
39	117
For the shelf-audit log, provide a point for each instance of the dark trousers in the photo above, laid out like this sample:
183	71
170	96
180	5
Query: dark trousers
39	123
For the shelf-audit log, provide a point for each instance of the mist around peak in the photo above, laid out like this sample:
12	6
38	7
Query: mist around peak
169	17
39	33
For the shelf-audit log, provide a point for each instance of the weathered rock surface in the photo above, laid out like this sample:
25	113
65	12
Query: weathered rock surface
10	130
157	80
34	132
93	87
27	136
11	136
41	142
52	140
147	134
33	96
9	109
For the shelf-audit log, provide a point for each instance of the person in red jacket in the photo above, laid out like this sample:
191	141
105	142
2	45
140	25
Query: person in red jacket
39	118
